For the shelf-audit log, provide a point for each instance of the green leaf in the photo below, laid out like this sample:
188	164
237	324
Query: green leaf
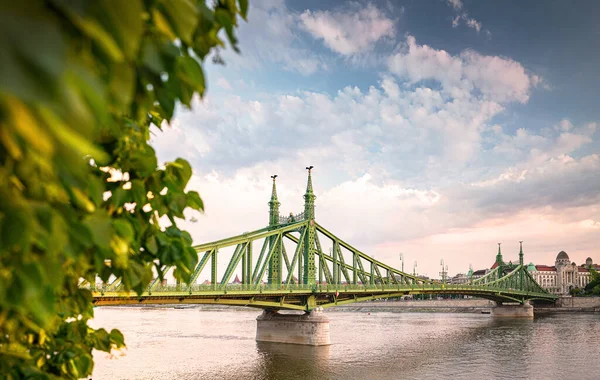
16	228
176	203
138	191
194	201
243	8
124	20
190	71
162	25
71	138
94	30
84	364
151	57
142	162
166	100
183	18
119	197
182	170
27	126
228	21
122	81
100	227
117	337
33	51
152	245
102	340
123	229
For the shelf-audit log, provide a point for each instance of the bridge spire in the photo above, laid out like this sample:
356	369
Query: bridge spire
499	260
274	205
310	234
274	276
309	197
521	252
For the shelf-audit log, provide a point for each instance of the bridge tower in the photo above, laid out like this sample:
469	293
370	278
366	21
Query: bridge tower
274	276
499	261
521	274
309	251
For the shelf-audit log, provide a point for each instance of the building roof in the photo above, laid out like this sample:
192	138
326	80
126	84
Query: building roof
580	269
562	255
545	268
531	267
479	272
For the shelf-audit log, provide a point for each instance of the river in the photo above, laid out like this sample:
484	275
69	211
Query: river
195	343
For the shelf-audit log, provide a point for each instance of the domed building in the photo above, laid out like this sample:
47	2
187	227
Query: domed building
563	276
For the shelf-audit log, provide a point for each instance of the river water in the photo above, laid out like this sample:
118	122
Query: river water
195	343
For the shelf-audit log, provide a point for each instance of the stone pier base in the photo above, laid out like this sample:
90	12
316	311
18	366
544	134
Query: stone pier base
310	329
513	311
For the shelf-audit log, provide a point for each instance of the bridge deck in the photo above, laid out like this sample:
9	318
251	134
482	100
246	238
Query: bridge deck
296	296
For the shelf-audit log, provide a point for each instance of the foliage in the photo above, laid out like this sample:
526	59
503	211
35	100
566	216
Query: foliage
82	84
593	287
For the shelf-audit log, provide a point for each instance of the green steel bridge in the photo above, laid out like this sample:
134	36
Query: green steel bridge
308	267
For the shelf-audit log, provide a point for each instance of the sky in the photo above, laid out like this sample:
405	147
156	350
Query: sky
436	128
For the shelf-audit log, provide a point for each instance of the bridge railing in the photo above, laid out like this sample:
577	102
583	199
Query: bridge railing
291	219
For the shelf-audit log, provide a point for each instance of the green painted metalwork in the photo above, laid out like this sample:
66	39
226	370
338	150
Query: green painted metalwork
326	277
310	235
275	261
213	269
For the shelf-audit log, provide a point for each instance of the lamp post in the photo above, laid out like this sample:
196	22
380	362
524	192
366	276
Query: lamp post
415	268
402	261
444	272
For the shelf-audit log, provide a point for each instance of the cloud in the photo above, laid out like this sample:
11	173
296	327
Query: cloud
560	182
272	37
351	30
472	23
456	4
410	130
224	83
468	74
462	15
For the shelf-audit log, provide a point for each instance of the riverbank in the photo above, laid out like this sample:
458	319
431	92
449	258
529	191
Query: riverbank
468	305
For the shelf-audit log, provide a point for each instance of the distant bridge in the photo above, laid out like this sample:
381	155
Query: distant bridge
301	275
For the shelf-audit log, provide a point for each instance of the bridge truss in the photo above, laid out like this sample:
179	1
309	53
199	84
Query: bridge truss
295	263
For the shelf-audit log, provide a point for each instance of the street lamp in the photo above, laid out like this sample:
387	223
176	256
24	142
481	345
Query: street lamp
444	272
415	268
402	261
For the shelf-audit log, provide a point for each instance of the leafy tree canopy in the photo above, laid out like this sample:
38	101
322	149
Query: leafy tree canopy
593	287
81	84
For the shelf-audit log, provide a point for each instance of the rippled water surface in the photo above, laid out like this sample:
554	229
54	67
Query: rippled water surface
166	343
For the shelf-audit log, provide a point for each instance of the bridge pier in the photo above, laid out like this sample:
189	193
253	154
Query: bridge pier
309	329
513	311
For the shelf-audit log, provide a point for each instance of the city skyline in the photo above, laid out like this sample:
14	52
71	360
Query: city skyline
436	129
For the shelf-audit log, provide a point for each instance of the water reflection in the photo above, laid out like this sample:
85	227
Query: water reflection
290	361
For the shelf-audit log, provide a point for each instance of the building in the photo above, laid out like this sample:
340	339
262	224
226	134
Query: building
564	275
558	279
459	279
